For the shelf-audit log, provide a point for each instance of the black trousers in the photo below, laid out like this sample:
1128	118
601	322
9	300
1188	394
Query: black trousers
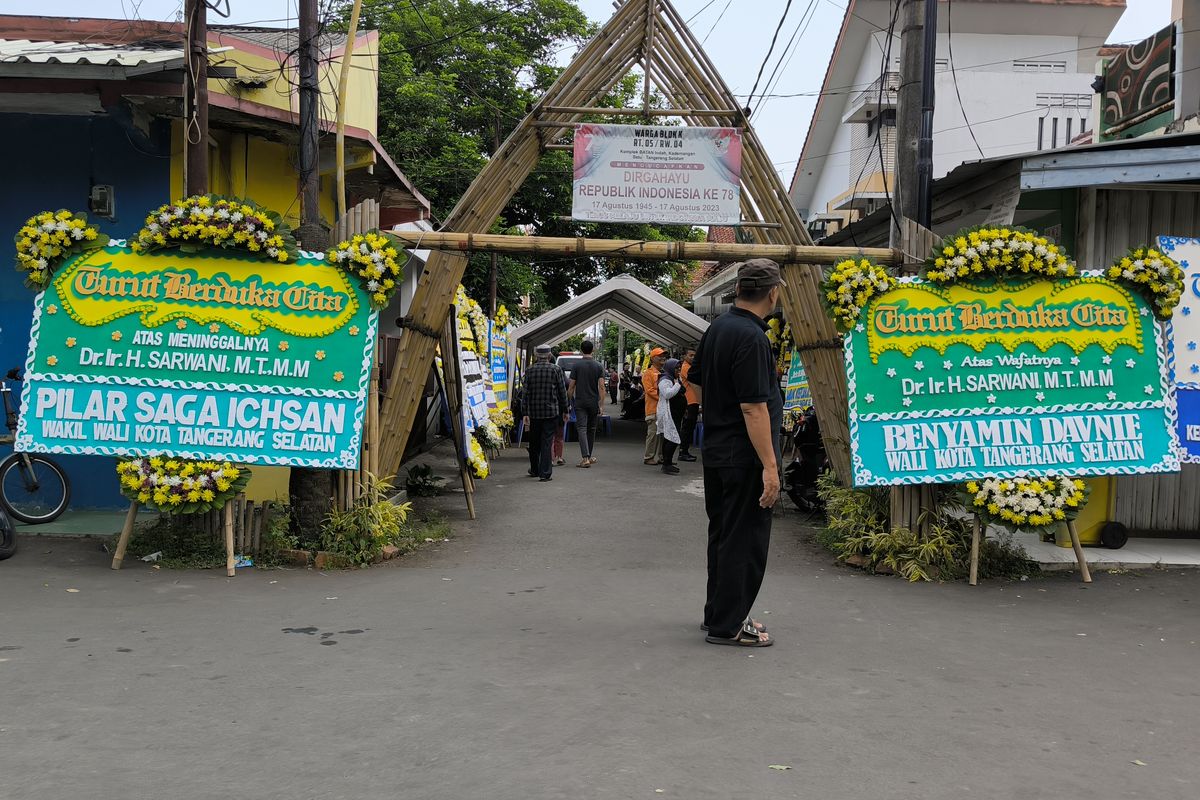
668	451
739	535
541	439
688	430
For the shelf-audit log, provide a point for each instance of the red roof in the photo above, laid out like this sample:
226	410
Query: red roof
722	234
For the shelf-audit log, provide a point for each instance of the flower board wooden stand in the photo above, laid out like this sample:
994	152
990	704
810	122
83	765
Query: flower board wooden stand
977	535
131	518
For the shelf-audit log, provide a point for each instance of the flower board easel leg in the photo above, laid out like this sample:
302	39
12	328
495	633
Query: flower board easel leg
126	532
976	533
230	561
1083	567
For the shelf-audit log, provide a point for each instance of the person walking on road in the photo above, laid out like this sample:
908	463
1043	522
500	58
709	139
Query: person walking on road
545	405
669	388
650	387
587	390
734	372
556	447
691	414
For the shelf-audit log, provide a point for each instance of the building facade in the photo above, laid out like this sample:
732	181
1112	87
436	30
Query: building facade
1010	77
91	119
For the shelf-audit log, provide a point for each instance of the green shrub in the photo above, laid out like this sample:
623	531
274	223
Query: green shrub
421	482
858	525
361	531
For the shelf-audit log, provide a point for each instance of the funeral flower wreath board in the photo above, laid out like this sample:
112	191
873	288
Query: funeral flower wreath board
1006	361
208	337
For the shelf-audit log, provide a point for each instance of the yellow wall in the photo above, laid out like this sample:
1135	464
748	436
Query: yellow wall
362	95
244	165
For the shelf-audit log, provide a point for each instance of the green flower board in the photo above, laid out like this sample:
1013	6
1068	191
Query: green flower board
1007	379
212	355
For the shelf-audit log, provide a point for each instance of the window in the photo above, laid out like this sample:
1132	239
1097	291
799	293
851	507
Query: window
1063	117
1064	100
884	119
939	64
1040	66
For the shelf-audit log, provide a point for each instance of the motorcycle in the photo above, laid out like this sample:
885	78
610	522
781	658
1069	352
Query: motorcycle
809	461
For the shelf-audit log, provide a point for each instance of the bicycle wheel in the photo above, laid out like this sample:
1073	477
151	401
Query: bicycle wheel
33	488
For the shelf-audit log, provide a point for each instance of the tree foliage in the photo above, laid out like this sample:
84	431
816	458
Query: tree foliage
456	77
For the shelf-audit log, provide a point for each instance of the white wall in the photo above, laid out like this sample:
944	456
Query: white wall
1000	104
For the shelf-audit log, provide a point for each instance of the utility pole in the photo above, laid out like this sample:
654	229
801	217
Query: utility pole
195	98
913	188
309	489
914	115
312	233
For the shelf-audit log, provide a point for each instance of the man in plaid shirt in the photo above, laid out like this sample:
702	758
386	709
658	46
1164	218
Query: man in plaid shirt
545	407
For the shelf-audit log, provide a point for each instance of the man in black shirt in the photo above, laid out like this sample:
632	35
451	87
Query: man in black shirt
587	387
545	402
739	392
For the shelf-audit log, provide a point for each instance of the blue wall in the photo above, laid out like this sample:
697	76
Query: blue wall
51	162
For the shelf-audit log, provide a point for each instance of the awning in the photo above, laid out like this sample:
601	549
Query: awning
624	300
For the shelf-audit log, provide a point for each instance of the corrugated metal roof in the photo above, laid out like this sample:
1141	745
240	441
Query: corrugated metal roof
624	299
24	51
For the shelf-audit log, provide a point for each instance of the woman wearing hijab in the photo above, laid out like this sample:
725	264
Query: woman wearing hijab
668	387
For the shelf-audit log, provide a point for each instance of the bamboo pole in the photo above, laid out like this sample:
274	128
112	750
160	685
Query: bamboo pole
343	83
1084	572
126	532
230	562
638	248
975	536
648	55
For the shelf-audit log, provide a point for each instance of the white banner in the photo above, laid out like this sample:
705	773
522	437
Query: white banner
648	173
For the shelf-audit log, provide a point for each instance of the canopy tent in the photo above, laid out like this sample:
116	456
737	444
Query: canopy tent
624	300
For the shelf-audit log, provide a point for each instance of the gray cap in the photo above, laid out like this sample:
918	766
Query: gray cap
542	350
759	273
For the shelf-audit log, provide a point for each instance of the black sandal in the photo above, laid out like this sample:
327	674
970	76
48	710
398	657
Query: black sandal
746	637
758	626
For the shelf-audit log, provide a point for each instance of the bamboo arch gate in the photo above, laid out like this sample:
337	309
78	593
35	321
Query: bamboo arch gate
652	34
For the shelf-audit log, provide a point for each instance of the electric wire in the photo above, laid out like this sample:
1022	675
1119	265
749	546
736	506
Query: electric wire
771	49
954	76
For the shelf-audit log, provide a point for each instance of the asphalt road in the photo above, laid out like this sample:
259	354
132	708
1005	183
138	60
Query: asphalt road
552	650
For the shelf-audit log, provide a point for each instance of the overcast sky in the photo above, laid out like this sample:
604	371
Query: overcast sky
737	45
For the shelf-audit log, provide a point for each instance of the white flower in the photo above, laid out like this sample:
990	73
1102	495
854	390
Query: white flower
372	286
262	236
236	216
222	213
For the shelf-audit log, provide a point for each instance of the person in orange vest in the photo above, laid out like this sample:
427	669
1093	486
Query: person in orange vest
653	454
688	431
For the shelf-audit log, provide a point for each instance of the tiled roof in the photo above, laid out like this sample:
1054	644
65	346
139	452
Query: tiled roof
722	234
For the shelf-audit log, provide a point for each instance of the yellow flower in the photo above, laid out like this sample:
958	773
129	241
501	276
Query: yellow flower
51	309
214	328
70	341
283	346
181	324
116	336
320	354
51	360
338	376
353	330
